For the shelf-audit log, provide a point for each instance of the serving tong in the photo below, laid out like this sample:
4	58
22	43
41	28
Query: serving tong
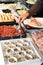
16	16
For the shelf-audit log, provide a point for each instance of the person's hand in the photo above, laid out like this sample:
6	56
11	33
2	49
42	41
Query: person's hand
23	17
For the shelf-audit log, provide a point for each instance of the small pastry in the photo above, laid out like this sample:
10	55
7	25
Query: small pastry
25	44
23	48
6	57
12	46
18	44
17	49
7	43
4	48
35	57
13	43
1	19
9	51
12	60
11	16
23	53
29	52
21	59
15	55
28	57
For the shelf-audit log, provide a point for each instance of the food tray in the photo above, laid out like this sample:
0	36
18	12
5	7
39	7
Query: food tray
7	18
13	32
28	55
38	44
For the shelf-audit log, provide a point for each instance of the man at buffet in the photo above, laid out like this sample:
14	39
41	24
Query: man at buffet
35	8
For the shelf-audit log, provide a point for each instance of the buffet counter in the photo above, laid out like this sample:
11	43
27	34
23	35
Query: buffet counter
20	44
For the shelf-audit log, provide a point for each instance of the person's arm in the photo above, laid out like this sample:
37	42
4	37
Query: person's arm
32	11
36	7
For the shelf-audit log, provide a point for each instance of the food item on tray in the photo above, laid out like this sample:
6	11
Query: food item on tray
14	6
15	55
25	44
34	23
29	52
11	7
4	48
12	60
9	51
35	56
18	53
26	40
29	47
13	43
21	11
3	6
18	6
7	6
22	53
17	49
28	57
37	37
6	17
21	59
18	44
8	31
6	57
20	41
23	48
12	46
7	43
31	1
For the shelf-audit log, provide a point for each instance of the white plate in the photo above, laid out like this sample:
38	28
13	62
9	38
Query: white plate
40	20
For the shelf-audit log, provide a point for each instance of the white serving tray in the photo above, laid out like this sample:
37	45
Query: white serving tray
27	62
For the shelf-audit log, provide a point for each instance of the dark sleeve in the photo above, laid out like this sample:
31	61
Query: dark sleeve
40	2
36	7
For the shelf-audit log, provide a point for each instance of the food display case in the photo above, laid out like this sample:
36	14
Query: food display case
20	43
